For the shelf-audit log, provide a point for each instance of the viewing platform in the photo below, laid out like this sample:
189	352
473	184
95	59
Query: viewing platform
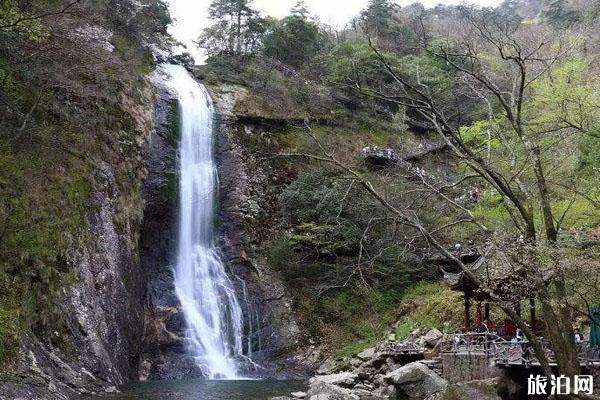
509	353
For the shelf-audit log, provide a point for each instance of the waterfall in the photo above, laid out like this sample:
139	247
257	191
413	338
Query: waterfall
207	295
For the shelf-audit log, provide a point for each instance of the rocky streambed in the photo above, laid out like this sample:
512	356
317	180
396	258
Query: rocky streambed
411	369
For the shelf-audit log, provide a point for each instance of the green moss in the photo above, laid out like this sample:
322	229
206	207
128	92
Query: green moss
491	211
146	64
351	319
10	321
579	213
120	42
174	125
43	219
170	188
453	392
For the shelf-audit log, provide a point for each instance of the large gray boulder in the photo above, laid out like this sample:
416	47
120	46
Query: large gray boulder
328	367
416	381
432	337
320	390
366	354
343	379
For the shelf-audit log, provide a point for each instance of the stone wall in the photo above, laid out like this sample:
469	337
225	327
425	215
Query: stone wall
465	367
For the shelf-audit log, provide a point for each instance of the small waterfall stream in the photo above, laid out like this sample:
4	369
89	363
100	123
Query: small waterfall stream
207	295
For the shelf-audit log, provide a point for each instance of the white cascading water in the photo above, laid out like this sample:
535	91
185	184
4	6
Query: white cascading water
207	295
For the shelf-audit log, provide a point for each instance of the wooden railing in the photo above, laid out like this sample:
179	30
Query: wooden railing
510	352
469	343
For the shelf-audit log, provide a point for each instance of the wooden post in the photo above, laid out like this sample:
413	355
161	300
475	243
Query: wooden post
486	312
518	308
467	312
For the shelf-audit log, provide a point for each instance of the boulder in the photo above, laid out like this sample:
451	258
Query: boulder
328	367
378	359
416	381
355	362
432	337
415	334
366	354
386	392
320	390
343	379
298	395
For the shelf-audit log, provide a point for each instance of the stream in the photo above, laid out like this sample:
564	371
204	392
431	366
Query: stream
205	390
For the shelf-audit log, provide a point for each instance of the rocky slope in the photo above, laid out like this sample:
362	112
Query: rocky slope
399	371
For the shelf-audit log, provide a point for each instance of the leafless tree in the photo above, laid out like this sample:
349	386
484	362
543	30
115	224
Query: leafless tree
498	63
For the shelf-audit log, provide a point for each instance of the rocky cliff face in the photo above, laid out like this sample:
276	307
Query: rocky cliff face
121	317
247	193
97	341
248	214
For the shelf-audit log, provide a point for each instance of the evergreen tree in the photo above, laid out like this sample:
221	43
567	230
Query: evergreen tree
300	9
236	29
294	40
558	14
377	17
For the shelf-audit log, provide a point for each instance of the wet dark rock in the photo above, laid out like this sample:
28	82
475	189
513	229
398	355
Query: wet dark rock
184	59
248	192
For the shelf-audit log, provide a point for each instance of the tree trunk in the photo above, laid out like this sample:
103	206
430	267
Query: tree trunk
551	233
238	33
560	333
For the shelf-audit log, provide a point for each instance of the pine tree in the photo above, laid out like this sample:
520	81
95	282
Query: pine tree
234	21
300	9
559	15
377	17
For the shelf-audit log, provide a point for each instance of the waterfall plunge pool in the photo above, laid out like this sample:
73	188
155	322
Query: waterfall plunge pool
205	390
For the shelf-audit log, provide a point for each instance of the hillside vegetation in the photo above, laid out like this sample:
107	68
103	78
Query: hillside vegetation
510	95
72	87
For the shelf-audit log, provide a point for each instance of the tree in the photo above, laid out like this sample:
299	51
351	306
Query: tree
294	40
377	17
301	10
558	14
237	29
542	105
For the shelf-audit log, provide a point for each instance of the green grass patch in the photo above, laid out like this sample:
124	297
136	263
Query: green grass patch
429	305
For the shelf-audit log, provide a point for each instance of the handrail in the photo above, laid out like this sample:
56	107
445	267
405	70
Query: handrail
503	351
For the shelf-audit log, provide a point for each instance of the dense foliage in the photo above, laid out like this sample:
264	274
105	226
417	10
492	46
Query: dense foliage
512	94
